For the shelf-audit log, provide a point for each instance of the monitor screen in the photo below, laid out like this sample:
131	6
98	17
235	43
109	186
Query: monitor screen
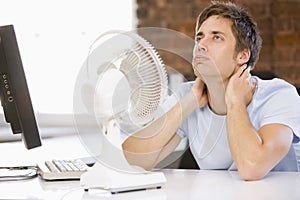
14	93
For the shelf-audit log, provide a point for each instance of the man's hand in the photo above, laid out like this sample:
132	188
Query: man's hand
200	93
240	88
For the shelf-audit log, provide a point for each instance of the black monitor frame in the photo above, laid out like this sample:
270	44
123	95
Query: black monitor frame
14	93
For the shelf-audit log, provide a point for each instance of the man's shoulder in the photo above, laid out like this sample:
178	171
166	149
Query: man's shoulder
184	87
276	92
274	86
276	101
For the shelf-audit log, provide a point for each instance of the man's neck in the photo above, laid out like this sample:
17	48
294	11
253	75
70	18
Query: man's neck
216	96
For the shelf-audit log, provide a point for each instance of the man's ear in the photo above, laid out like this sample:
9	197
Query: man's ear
243	56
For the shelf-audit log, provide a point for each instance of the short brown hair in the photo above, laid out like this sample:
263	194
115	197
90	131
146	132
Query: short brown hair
243	27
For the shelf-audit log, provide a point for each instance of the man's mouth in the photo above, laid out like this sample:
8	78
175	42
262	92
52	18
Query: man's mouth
200	58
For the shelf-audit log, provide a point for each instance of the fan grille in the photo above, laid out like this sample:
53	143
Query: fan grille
147	77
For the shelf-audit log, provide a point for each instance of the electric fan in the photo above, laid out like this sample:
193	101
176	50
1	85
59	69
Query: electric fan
127	83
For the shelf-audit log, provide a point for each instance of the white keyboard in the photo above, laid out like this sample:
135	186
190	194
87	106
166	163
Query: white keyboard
62	169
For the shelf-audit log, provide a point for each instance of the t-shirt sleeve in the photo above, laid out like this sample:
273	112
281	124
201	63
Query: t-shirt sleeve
283	107
172	100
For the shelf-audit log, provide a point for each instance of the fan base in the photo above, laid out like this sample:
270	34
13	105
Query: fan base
102	177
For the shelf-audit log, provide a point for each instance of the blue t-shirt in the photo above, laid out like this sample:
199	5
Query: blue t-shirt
274	101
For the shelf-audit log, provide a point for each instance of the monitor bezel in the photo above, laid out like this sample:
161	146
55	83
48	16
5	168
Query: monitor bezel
15	97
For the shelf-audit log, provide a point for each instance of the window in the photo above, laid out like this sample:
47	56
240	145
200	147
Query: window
54	37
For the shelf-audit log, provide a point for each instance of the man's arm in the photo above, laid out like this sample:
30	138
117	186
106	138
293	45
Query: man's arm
152	144
255	152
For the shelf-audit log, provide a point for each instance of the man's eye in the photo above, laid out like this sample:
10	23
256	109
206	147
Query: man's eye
216	37
197	39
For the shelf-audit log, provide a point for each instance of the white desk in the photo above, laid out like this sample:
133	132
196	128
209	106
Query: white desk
181	184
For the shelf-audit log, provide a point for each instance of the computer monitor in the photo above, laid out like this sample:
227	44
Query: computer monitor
14	93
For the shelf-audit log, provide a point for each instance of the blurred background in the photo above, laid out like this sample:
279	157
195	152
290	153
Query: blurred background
278	21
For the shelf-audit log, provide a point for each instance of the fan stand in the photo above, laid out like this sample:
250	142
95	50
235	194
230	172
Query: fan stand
101	176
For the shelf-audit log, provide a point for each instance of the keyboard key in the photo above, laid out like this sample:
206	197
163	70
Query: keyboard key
62	169
51	167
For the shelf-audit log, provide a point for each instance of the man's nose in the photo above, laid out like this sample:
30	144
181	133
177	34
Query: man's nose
201	46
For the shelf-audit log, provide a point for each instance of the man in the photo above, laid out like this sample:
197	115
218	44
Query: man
233	120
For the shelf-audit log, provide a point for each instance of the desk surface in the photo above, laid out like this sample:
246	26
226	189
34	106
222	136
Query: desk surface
181	184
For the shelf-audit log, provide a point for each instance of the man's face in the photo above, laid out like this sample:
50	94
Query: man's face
214	53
